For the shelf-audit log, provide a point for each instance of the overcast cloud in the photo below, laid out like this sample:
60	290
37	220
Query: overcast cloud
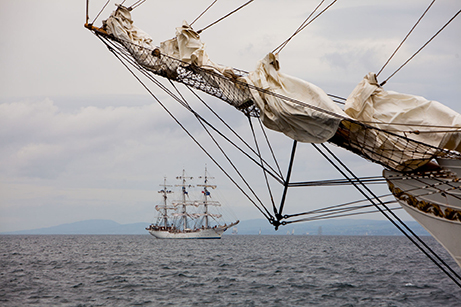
81	139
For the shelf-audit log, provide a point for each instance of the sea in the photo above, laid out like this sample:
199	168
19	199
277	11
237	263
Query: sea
238	270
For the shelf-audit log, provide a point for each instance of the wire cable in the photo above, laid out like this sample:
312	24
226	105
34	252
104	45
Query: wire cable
102	9
215	22
304	26
195	140
408	34
282	45
456	278
198	17
422	47
264	172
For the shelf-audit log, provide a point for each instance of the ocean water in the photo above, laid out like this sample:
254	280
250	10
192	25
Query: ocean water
234	271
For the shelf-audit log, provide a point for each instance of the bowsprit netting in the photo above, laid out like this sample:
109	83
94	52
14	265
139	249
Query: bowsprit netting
386	148
226	88
389	149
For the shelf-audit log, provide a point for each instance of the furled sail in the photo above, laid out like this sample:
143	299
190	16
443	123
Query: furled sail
392	111
314	120
182	59
120	24
369	126
187	47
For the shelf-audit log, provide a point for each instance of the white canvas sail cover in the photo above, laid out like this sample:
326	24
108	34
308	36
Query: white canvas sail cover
186	46
396	112
301	110
299	122
120	25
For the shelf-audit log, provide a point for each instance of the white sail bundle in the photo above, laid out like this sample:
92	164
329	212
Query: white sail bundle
160	208
388	110
187	203
297	108
186	46
199	215
400	119
299	122
120	25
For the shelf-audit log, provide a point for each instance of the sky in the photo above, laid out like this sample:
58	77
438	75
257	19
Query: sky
81	139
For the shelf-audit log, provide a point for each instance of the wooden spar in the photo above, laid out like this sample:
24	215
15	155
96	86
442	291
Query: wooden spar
95	29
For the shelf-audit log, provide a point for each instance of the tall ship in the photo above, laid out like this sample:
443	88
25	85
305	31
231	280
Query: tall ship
188	219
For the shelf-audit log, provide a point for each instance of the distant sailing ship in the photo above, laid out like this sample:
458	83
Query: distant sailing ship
200	224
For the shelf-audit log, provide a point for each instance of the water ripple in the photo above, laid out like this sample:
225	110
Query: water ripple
234	271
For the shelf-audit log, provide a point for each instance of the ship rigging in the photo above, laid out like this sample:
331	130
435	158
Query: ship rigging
402	148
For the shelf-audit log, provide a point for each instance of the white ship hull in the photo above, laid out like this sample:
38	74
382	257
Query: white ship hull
447	232
434	201
210	233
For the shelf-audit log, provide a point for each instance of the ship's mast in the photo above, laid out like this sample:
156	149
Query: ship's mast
165	191
184	192
206	193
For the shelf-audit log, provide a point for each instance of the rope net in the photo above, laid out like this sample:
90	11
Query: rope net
389	149
226	88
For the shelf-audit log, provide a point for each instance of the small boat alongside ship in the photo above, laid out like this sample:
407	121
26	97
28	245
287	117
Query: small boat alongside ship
197	222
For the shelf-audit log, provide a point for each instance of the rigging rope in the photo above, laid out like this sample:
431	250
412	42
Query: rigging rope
390	218
331	216
202	123
99	11
198	17
422	47
264	172
225	16
136	4
184	103
270	147
332	182
272	172
401	43
268	215
282	45
303	26
326	209
286	216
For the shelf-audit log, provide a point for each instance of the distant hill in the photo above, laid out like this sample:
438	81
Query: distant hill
349	227
89	227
